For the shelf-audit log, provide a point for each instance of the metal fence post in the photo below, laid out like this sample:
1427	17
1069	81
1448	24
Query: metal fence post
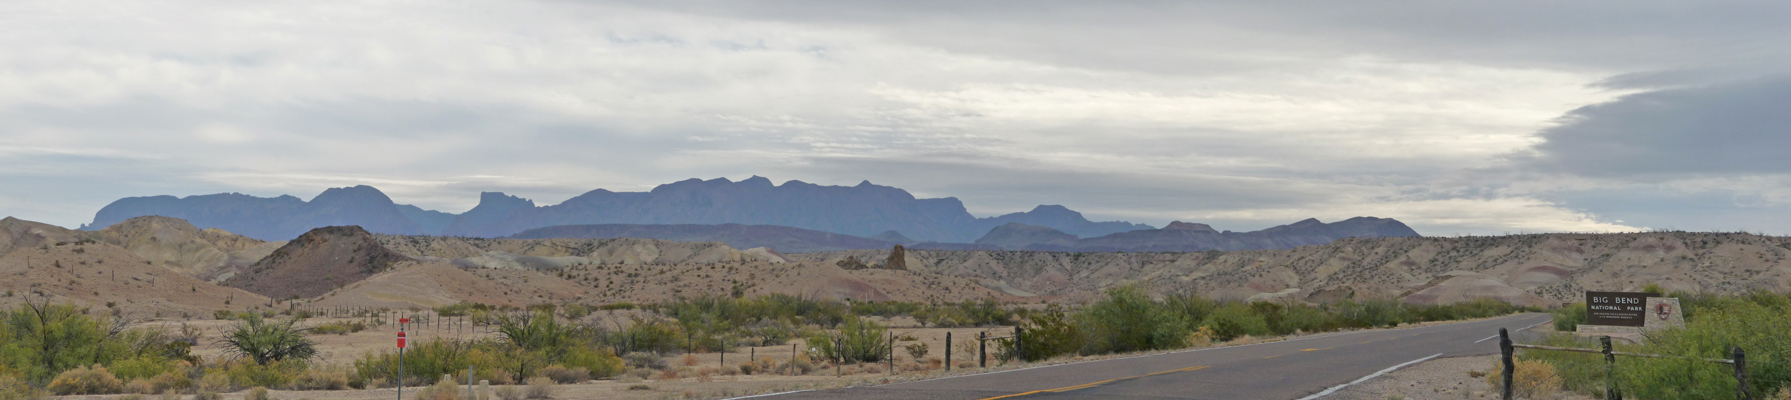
1742	390
1508	367
948	351
892	353
1610	362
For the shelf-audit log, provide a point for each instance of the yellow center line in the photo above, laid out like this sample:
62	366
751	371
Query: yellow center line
1327	348
1270	357
1093	384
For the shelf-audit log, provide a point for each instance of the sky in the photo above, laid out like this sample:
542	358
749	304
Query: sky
1455	117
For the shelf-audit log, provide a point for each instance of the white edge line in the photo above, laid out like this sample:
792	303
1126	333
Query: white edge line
768	394
1521	329
1309	337
1486	339
1334	389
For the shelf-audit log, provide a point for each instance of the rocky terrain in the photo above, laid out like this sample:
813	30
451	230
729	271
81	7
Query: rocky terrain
782	238
1184	236
1534	269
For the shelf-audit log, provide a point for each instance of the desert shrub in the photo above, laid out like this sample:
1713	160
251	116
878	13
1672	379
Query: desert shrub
13	388
539	332
508	392
273	374
1530	379
171	380
40	341
617	306
208	395
596	362
644	335
564	375
916	350
441	390
576	311
540	388
339	328
84	380
1372	313
460	309
257	393
1127	320
140	386
264	341
802	365
645	360
1569	318
749	367
140	368
1300	318
858	340
214	380
1047	334
321	379
1233	320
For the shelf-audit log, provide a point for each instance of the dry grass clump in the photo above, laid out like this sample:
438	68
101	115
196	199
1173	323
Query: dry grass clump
82	380
689	360
441	390
321	379
509	392
260	393
669	375
563	375
540	387
1531	379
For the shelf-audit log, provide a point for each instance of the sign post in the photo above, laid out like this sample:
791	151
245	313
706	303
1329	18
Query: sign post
401	357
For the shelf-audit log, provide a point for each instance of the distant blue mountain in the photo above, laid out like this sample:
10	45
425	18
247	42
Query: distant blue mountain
864	210
276	218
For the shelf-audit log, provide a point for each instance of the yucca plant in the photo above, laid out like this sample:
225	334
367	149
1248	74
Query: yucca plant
268	341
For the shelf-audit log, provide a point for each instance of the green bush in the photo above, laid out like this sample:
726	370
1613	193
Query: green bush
40	341
1233	320
1050	333
1127	320
1569	318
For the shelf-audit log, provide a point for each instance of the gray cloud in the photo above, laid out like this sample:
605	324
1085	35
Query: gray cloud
1730	128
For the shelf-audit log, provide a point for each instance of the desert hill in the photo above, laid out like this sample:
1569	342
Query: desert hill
1184	236
317	262
18	234
1523	268
435	284
175	244
554	254
111	279
782	238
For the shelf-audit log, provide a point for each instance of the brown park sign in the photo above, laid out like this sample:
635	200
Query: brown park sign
1617	308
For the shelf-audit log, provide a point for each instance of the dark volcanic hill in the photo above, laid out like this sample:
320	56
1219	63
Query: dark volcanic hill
317	262
273	219
1184	236
782	238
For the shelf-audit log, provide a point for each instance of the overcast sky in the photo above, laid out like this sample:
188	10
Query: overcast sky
1455	117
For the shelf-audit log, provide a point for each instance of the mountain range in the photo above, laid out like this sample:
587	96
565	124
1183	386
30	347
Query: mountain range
793	217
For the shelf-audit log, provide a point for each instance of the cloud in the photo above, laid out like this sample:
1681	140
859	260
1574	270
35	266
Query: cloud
1249	113
1731	128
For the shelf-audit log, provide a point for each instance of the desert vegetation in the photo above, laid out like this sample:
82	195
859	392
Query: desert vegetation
1715	325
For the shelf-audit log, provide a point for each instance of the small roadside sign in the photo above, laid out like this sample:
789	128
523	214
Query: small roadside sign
400	340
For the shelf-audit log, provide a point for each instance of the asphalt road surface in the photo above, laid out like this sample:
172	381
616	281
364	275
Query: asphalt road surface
1295	369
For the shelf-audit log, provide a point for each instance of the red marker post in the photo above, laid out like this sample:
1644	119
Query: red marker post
401	362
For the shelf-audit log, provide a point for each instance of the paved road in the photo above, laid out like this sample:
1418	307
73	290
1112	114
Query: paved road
1291	369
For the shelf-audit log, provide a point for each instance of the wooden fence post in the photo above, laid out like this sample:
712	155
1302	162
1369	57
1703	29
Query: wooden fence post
948	351
982	349
1019	346
1610	362
1508	367
1742	390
